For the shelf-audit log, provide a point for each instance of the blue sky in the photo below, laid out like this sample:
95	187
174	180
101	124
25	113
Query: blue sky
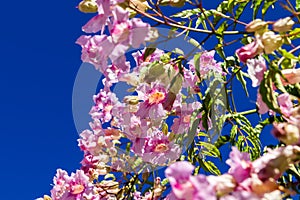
39	64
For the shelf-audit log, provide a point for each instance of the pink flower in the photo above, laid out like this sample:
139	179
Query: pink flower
262	107
207	63
154	96
190	80
287	133
182	124
129	32
67	187
98	22
92	143
140	59
95	50
292	76
156	149
187	187
285	104
256	70
250	50
223	184
240	165
104	103
275	162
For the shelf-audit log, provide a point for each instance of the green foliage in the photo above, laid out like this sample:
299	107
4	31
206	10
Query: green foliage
240	77
256	5
298	5
210	167
209	149
268	95
267	5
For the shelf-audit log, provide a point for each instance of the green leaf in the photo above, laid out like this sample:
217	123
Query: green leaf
256	4
176	84
233	133
165	128
267	93
209	149
187	13
255	150
240	9
202	134
288	55
222	140
155	70
230	5
148	52
194	43
210	167
202	17
222	8
178	51
240	78
222	28
165	181
293	89
295	34
267	5
110	176
298	5
278	82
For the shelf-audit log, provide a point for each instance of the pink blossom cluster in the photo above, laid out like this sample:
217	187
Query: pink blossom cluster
139	118
288	132
123	34
78	186
207	64
155	120
265	41
245	179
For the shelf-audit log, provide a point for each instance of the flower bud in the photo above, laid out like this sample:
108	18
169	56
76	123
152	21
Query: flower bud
271	41
174	3
131	100
88	6
141	5
250	50
287	133
46	197
283	25
256	25
259	187
292	134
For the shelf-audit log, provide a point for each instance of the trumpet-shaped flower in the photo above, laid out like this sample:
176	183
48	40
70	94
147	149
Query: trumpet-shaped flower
256	70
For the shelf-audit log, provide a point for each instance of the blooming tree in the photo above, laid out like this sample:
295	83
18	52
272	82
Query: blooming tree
163	139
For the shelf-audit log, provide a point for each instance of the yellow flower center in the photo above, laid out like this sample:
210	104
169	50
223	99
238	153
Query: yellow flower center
156	97
77	189
161	148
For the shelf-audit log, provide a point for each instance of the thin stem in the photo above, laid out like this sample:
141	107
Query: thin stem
183	27
291	51
248	112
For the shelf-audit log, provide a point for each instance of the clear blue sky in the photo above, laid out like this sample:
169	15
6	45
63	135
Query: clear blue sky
39	64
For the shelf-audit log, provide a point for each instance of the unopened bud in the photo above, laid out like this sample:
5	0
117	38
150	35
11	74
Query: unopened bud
260	187
271	41
141	5
256	25
131	100
88	6
283	25
292	134
46	197
174	3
